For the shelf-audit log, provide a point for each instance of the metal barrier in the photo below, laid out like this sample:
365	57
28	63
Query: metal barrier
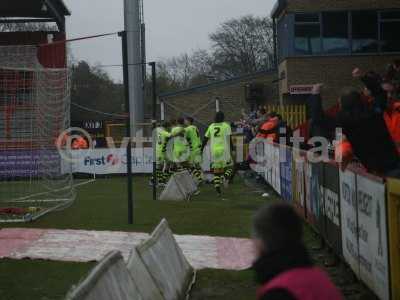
350	212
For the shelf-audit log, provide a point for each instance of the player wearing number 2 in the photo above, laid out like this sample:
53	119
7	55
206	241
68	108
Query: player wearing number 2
219	135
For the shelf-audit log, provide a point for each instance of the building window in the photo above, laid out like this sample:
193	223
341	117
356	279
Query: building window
389	27
364	31
307	34
335	36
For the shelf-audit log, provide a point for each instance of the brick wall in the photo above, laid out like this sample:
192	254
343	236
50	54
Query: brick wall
334	72
324	5
201	104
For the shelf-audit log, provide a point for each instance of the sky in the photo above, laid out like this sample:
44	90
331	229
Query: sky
173	26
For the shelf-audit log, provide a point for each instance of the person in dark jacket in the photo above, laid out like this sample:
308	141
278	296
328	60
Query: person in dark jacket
284	268
363	125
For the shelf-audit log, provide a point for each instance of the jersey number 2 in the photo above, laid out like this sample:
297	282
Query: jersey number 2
217	131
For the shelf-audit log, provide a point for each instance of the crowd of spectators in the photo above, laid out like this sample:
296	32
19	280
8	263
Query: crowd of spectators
264	125
369	119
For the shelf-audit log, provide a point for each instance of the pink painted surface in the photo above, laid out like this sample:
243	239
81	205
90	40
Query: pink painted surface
235	254
12	240
83	246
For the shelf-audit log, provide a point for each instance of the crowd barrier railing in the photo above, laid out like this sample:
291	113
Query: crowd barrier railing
349	209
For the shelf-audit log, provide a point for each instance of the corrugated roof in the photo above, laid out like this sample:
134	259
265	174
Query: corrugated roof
31	8
218	84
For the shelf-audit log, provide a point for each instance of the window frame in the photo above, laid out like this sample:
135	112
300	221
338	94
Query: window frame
350	51
354	53
295	23
380	22
349	33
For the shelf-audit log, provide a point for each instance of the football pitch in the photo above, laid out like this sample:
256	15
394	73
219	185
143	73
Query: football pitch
102	205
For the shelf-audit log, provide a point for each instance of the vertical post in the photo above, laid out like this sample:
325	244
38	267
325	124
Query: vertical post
275	39
123	35
154	122
132	20
162	110
217	104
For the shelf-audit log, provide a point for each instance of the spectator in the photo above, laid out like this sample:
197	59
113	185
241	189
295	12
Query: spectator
283	267
269	129
363	126
261	118
393	76
80	143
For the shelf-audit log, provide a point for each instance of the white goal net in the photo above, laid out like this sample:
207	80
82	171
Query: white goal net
34	111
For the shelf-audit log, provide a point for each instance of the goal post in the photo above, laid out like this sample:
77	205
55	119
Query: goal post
34	111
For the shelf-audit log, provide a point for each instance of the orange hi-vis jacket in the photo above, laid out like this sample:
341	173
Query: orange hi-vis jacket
268	129
392	119
80	143
344	150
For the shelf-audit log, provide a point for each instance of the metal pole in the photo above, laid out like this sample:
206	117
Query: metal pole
132	20
162	110
154	121
123	35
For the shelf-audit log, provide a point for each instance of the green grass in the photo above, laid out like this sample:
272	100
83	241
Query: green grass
102	205
217	284
38	280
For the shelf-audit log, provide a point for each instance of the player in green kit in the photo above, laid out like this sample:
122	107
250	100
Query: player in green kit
192	136
180	149
219	135
163	137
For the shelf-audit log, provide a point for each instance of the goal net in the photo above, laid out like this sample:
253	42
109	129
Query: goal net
34	111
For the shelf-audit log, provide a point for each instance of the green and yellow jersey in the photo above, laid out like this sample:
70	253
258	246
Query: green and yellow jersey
219	135
193	137
180	145
162	140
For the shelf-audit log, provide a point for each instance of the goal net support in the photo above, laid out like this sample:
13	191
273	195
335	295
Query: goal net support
34	111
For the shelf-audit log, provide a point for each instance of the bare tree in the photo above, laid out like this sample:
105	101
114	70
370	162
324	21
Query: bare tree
242	46
187	70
